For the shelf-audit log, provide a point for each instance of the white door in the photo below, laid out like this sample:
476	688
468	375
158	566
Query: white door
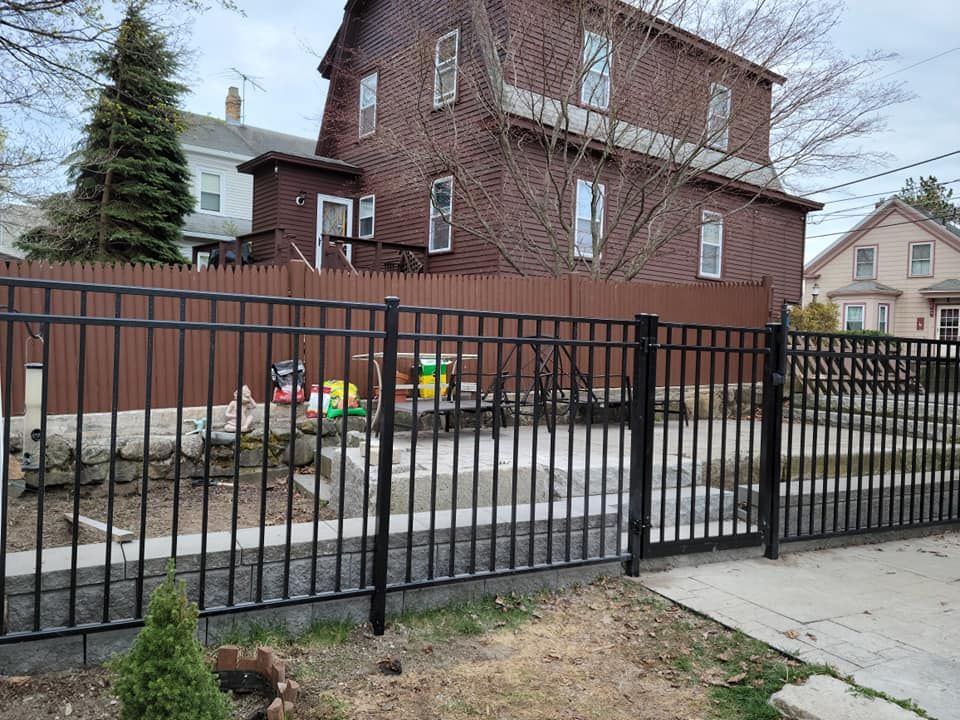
334	218
948	322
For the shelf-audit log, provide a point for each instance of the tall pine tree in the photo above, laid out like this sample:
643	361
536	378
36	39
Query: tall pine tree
131	180
930	195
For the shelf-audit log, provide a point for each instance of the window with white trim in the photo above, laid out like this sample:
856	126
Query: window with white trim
865	263
948	323
368	104
883	318
445	70
367	209
718	116
853	318
711	244
597	56
921	259
210	192
441	215
588	230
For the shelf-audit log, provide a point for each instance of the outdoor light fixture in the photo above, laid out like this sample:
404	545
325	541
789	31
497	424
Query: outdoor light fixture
300	200
815	291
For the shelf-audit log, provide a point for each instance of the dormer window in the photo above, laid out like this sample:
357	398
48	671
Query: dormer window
445	70
718	117
368	105
597	55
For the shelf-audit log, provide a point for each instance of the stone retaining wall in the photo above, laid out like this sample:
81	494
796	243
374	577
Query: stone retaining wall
354	564
61	457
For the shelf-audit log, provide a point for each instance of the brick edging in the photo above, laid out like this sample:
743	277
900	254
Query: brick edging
265	664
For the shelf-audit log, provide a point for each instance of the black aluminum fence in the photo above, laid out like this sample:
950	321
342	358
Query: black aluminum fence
870	435
477	445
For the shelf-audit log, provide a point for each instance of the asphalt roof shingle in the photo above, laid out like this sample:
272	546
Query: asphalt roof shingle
210	132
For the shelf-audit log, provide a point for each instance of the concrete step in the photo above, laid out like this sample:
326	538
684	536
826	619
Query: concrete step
823	697
923	497
694	503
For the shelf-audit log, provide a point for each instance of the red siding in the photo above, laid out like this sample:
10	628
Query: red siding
276	187
541	42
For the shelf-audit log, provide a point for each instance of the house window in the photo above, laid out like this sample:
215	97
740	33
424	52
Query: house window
445	73
711	245
589	225
865	263
883	318
441	215
210	192
597	53
921	259
368	104
367	208
853	318
718	116
948	323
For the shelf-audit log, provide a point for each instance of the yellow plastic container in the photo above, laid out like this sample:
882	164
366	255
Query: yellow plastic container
428	379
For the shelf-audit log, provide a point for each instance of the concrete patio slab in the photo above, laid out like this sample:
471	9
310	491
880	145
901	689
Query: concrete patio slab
887	614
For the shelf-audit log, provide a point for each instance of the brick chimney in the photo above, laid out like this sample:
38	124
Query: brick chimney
232	106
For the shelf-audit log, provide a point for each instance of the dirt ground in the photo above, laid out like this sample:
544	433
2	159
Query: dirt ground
610	650
58	502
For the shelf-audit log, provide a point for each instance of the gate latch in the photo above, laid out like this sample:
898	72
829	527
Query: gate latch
777	379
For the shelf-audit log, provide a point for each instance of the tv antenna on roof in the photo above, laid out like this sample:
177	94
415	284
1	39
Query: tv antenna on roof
253	81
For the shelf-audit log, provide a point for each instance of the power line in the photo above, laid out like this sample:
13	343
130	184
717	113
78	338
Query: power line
918	64
870	195
888	172
878	227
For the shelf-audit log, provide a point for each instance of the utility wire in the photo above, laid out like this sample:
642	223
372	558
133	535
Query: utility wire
918	64
889	192
878	227
888	172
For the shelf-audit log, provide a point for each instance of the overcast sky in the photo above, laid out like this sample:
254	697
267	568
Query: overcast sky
279	44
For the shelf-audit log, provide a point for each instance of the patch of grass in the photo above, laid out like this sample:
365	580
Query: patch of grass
743	673
470	618
329	708
250	636
327	632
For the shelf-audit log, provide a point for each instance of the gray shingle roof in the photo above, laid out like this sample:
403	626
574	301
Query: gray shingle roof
865	287
210	132
951	285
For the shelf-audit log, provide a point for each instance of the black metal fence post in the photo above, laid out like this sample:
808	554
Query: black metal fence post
378	603
641	439
771	430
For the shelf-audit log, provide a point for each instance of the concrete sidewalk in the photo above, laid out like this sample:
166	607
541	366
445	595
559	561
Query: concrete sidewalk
887	614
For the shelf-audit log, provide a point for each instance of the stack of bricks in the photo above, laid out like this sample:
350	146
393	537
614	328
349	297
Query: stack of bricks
271	669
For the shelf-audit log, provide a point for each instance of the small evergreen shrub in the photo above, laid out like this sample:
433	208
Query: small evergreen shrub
164	676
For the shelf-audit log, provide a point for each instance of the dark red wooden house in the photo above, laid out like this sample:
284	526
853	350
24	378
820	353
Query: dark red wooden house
393	60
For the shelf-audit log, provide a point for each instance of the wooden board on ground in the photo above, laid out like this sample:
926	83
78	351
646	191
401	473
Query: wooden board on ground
119	535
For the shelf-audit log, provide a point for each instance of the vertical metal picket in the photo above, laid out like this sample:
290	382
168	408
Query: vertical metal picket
771	430
381	542
641	439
